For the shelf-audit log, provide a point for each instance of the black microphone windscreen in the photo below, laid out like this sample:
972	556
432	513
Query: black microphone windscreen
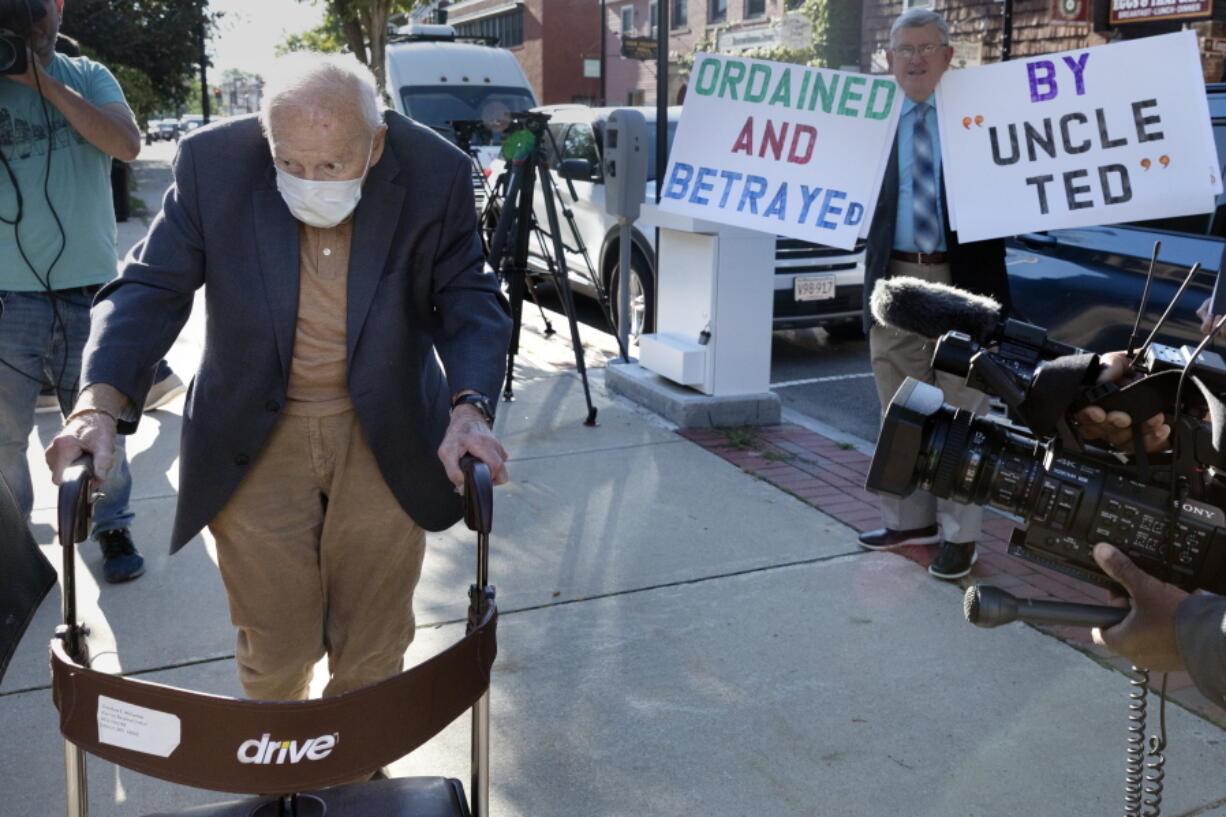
931	310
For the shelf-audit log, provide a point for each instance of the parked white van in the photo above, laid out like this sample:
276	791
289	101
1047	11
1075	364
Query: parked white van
433	77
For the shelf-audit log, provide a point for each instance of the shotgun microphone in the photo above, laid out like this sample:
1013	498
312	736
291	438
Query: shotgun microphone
931	310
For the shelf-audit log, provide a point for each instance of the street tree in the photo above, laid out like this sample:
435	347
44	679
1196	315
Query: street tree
359	25
154	47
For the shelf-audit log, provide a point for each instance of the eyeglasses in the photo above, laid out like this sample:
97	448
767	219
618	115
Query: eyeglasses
909	51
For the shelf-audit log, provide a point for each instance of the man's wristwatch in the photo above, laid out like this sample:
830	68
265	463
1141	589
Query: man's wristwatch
479	400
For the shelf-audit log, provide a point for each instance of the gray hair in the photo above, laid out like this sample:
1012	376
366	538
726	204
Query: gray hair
307	76
919	17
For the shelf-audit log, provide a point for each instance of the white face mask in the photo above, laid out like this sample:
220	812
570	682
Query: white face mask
322	204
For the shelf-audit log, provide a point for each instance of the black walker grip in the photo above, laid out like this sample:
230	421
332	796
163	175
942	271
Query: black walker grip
74	503
478	494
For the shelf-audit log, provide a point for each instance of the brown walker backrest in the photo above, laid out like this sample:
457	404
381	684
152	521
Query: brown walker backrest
232	745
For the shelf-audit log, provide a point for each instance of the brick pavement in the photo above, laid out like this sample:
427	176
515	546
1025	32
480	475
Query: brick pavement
830	476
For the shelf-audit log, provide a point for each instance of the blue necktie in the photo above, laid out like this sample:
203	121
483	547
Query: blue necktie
924	188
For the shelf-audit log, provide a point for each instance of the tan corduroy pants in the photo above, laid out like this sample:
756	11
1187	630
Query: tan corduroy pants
318	558
897	355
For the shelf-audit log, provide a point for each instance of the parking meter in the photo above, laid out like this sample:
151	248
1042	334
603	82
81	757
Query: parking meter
625	163
625	174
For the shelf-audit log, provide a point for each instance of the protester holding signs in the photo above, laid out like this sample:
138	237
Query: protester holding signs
910	235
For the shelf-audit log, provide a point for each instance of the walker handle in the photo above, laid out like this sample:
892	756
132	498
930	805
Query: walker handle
478	494
75	500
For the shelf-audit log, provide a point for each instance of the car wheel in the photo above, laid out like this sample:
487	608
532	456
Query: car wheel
642	297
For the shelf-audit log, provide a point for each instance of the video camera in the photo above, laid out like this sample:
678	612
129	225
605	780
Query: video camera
1163	511
534	121
17	17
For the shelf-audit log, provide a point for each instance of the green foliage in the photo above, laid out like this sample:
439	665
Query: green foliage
138	89
358	25
836	31
743	437
328	36
153	47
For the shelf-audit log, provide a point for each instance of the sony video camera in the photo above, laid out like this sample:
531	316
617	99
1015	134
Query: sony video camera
1164	511
17	17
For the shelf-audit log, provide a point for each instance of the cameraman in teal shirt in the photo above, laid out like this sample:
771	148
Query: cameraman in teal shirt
61	122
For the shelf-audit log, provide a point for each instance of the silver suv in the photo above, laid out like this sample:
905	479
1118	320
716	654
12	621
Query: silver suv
815	285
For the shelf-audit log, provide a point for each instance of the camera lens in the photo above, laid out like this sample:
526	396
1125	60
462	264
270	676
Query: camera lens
8	54
980	461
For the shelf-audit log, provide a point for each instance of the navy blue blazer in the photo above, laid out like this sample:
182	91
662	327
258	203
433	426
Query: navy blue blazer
417	284
978	266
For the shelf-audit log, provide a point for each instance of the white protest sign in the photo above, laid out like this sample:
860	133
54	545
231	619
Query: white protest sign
137	728
1094	136
785	149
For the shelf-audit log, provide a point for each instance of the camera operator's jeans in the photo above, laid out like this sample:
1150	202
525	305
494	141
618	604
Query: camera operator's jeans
897	355
41	340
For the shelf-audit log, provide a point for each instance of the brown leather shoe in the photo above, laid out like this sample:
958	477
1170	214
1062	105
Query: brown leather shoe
886	539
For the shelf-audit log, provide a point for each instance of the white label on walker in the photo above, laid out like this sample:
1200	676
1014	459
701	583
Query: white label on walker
133	727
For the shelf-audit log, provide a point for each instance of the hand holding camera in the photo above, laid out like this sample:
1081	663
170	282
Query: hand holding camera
1115	427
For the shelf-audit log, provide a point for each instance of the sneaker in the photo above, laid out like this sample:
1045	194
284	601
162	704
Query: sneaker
954	560
886	539
47	403
121	561
163	391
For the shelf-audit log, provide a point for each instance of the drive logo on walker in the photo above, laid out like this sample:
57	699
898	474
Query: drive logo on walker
265	751
785	149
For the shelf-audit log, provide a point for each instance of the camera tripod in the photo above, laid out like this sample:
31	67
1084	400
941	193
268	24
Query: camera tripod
516	222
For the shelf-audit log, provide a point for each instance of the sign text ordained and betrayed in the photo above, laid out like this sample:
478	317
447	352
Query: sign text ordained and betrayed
781	148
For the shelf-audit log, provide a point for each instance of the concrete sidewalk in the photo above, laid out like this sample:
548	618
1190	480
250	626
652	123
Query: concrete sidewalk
678	636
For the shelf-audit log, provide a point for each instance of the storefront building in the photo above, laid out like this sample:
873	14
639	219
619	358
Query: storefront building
977	29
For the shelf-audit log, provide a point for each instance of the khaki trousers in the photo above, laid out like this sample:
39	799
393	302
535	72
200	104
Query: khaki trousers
318	558
897	355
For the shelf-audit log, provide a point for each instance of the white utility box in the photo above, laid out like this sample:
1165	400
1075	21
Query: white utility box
714	305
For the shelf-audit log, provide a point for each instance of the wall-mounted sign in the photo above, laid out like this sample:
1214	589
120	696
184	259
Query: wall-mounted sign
639	48
967	53
796	32
742	39
1143	11
591	68
1070	11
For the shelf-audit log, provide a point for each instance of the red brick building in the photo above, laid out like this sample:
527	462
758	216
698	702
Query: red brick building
557	42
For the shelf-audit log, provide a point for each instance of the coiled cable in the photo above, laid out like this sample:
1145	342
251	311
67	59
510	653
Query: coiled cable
1143	779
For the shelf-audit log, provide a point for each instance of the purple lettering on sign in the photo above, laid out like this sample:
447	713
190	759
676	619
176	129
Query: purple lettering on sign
1078	67
1047	78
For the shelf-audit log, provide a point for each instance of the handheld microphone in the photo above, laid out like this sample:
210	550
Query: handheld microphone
931	310
987	606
